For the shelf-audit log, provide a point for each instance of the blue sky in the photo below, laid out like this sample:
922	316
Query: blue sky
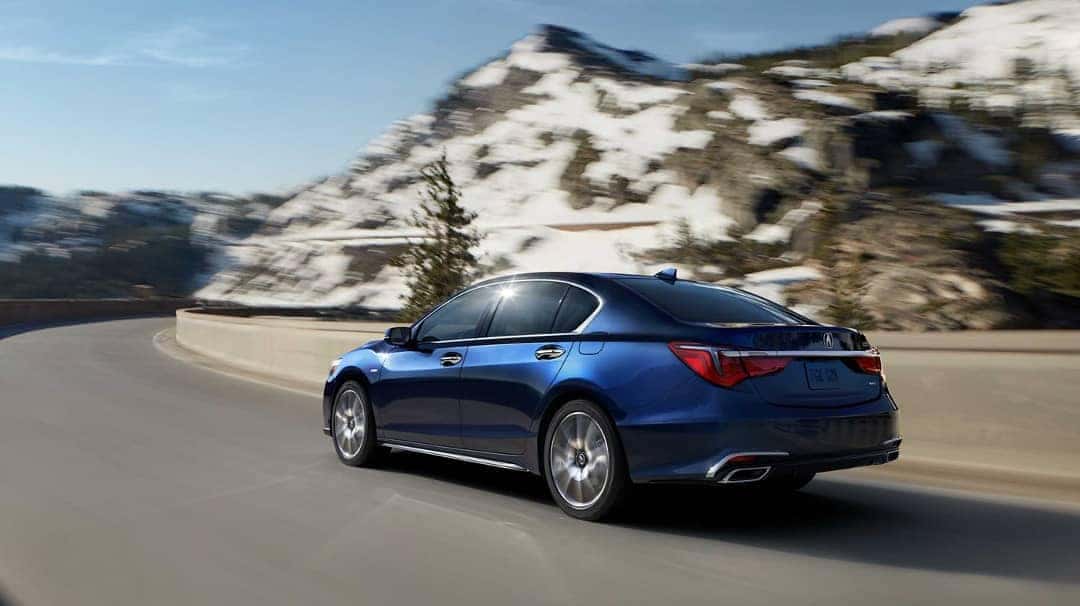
244	96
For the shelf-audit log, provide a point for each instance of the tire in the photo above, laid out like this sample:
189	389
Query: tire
580	437
352	426
787	482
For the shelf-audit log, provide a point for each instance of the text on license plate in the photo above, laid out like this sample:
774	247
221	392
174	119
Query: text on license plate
822	375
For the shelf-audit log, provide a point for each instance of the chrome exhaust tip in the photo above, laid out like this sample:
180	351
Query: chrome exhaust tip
744	475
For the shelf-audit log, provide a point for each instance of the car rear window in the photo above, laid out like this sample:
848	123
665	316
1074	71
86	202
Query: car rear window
706	303
576	306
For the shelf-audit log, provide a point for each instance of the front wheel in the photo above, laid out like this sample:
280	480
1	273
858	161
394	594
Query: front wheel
352	424
584	463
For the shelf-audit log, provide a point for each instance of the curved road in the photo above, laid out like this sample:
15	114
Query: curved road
127	477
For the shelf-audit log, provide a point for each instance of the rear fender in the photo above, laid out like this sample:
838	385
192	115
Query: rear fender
556	396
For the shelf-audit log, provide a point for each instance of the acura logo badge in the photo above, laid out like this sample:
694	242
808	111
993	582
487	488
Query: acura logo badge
828	340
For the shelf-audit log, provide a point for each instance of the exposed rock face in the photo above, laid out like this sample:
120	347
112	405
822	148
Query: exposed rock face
578	156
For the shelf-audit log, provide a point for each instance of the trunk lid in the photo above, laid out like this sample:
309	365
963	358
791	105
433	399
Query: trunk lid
822	371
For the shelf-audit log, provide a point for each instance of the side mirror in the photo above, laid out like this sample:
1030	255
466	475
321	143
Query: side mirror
398	335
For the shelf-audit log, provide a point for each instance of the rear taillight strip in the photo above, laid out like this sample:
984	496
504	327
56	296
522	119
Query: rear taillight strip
828	353
727	367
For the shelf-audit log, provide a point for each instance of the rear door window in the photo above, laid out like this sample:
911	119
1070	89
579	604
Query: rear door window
706	303
526	308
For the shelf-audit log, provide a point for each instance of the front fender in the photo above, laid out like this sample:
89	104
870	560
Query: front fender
361	365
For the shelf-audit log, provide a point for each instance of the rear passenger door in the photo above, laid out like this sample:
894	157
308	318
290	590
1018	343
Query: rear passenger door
507	372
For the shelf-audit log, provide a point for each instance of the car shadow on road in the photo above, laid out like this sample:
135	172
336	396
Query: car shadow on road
890	525
887	524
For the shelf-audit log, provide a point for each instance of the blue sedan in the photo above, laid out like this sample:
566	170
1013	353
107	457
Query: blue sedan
599	381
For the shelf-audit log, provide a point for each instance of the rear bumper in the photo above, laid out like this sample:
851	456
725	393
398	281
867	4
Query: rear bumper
814	441
732	470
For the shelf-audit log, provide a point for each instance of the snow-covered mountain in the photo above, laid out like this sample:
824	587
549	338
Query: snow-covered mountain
580	156
102	244
1007	58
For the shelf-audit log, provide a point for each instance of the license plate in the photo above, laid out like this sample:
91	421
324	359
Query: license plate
822	375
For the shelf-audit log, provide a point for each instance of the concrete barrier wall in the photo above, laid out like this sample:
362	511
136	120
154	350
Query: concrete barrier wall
289	349
30	311
1004	400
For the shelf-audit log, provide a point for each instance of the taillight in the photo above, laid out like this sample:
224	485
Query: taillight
870	365
726	371
699	358
757	367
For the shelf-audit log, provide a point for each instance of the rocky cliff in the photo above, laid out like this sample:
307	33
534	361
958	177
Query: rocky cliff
803	176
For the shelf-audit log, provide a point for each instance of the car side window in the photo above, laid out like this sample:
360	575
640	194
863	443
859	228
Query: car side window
526	308
458	319
577	305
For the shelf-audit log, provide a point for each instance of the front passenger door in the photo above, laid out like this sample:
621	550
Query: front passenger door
417	397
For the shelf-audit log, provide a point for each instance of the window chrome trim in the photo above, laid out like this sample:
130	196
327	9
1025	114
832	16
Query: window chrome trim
457	457
577	331
724	461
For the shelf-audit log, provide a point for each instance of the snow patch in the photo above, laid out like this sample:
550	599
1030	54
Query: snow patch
633	96
780	232
748	107
1006	227
529	54
804	157
827	99
491	74
723	86
771	132
907	25
772	282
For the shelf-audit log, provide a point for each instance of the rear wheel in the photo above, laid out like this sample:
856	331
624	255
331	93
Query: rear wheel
584	463
352	424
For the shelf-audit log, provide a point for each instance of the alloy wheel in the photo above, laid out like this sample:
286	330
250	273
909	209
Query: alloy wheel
580	460
349	423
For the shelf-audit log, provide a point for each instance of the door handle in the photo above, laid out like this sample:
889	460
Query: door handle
549	352
450	359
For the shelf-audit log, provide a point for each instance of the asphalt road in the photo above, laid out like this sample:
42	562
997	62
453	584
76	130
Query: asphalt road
127	477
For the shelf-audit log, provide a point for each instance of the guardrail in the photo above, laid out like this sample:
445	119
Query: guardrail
973	405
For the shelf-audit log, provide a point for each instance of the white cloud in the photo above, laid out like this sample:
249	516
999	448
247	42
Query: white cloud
181	45
189	46
30	54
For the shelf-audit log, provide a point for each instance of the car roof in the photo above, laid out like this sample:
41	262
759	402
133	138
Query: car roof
604	282
560	275
585	278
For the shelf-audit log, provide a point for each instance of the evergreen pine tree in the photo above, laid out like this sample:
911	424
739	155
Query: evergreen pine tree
442	263
848	285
